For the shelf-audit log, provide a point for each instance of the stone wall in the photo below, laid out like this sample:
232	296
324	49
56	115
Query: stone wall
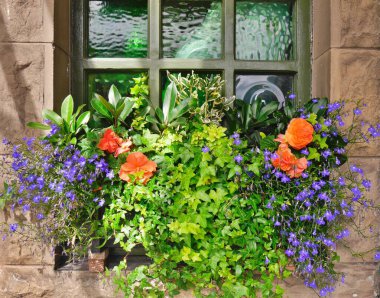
346	65
34	56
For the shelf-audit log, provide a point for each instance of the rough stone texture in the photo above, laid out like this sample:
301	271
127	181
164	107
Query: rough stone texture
355	74
367	222
17	252
322	75
321	27
39	281
26	21
360	23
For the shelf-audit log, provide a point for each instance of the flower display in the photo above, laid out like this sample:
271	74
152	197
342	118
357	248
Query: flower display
110	141
299	133
222	194
139	166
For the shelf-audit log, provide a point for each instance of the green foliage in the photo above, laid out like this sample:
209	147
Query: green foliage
195	220
170	115
70	124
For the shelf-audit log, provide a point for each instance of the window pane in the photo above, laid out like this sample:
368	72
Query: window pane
118	28
267	87
100	83
264	30
192	29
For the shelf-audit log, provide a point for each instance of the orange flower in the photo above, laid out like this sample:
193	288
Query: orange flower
285	159
299	133
110	141
124	147
297	168
138	165
288	162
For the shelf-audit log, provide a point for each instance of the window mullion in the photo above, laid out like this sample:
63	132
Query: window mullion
154	14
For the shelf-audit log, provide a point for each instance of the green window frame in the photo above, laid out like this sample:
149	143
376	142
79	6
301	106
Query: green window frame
154	64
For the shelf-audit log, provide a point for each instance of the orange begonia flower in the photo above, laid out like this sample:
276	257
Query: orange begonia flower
124	147
138	165
110	141
288	162
297	168
299	133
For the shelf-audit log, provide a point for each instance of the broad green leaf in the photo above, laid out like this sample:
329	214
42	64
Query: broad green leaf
179	110
100	108
67	108
127	109
37	125
313	154
79	109
83	119
106	104
114	96
160	115
52	116
151	119
268	109
169	100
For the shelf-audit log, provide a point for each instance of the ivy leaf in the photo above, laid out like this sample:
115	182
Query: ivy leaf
313	154
234	290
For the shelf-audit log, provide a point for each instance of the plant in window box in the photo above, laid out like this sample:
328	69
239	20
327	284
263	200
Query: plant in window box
222	213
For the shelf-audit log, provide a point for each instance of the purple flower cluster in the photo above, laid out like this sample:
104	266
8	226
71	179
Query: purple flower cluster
58	179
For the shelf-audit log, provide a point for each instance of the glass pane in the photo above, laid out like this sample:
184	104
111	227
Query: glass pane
264	30
192	29
266	87
100	83
118	28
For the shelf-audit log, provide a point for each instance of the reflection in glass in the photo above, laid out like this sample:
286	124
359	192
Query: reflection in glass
191	29
268	88
100	83
264	30
118	28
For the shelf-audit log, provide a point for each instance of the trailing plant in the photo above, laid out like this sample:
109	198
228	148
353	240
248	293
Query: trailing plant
223	201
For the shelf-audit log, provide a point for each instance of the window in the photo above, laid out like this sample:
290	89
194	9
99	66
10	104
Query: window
260	47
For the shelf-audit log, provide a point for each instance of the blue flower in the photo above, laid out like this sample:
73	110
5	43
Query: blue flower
110	174
357	111
237	142
292	96
289	252
235	135
238	158
101	203
366	184
328	122
325	173
305	151
205	149
40	216
377	256
357	193
13	227
329	216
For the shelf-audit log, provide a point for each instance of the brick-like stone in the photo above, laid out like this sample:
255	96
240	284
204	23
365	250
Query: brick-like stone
355	74
21	87
39	281
16	251
367	221
26	21
360	23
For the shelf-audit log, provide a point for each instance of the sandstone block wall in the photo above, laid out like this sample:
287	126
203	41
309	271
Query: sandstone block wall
346	65
34	59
